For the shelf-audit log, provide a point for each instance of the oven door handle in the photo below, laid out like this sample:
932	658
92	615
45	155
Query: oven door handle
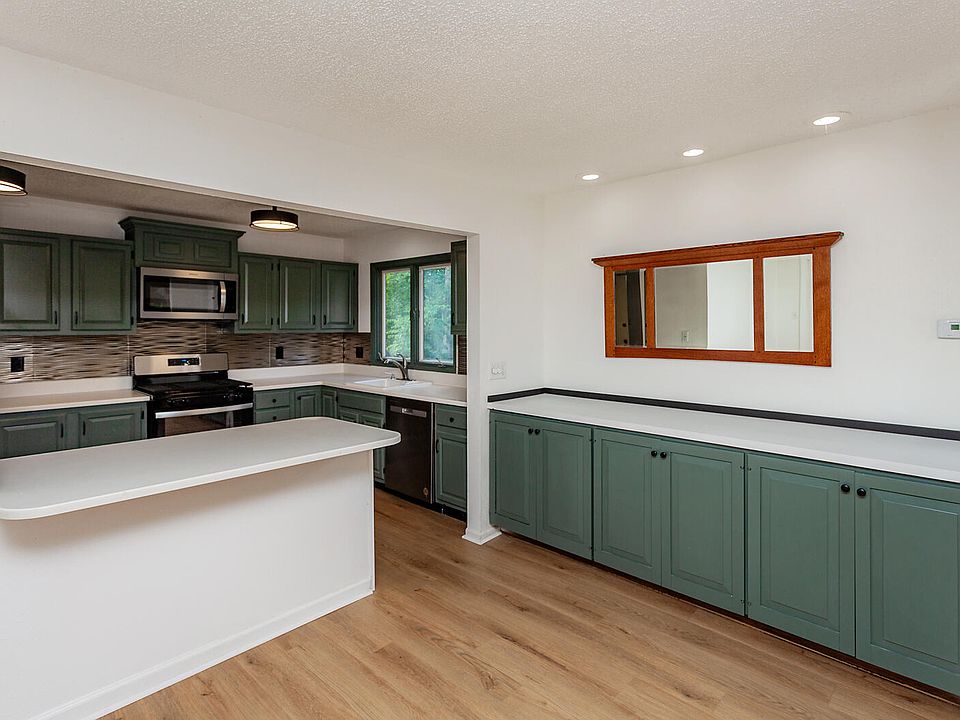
223	296
201	411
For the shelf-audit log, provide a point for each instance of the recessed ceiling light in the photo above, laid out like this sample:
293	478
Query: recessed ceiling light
589	177
274	220
827	120
693	152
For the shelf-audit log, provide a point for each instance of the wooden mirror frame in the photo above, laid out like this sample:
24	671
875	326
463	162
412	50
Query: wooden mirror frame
756	250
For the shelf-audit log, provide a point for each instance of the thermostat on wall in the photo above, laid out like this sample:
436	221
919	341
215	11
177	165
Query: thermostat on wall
948	329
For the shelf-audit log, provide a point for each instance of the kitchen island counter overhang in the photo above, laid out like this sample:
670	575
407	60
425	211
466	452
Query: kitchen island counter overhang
169	555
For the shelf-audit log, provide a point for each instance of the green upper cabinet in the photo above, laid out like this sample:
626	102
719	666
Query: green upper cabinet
626	504
30	276
542	480
564	513
702	497
101	285
800	552
32	433
908	578
111	424
160	243
258	295
299	291
338	297
458	287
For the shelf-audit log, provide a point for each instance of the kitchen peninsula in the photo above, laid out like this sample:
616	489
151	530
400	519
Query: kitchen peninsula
168	558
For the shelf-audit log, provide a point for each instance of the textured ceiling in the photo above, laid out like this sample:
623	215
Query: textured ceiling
529	93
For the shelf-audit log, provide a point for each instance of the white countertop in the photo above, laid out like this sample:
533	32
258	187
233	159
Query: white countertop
443	394
56	483
887	452
63	400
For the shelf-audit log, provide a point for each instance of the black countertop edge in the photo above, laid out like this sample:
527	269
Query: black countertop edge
939	433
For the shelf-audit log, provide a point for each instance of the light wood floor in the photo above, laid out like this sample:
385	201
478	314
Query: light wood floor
512	630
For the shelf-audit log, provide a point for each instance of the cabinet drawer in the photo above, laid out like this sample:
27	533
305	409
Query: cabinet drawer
362	401
268	399
449	416
272	415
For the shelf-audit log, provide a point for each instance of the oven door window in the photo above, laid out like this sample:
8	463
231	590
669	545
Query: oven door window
168	427
169	294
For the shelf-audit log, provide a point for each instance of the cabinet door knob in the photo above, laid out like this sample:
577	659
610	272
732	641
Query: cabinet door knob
845	488
861	492
529	431
653	453
537	431
663	455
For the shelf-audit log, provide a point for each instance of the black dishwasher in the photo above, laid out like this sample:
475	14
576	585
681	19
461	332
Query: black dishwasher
408	465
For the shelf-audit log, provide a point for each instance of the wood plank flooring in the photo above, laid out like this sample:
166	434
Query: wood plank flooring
512	630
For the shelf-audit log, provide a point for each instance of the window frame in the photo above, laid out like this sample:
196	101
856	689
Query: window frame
414	264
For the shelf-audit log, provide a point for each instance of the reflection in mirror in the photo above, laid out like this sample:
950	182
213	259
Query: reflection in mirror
788	303
628	286
707	306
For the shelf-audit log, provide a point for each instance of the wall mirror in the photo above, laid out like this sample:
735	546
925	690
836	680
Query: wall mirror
759	301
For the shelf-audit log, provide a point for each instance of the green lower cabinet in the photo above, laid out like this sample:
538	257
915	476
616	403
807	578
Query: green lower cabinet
703	524
32	433
365	409
565	502
542	481
306	402
272	415
328	402
800	550
111	424
513	472
626	504
908	578
450	467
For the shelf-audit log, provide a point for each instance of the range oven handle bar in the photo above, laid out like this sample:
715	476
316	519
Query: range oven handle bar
201	411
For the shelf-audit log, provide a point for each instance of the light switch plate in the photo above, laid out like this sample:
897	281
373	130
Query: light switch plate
949	329
496	371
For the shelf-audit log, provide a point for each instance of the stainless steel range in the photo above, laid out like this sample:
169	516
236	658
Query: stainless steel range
191	393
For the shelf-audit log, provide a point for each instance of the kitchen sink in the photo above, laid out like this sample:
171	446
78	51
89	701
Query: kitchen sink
392	383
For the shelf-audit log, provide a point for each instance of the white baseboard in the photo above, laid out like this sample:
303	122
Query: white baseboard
135	687
481	538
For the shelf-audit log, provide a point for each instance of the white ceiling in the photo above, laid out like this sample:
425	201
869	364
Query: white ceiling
137	198
528	93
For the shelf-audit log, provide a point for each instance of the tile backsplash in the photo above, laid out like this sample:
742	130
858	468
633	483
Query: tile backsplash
64	357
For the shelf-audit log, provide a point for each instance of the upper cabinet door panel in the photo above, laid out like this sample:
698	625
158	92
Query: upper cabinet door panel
161	248
169	244
565	508
626	504
703	513
258	294
458	288
102	284
801	549
298	294
29	282
214	253
338	300
908	578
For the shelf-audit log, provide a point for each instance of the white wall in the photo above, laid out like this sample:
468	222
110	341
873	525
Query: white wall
892	188
67	116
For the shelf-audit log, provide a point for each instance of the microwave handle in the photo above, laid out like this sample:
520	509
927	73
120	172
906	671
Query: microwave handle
223	296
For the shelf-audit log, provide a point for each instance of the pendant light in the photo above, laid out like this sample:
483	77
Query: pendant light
12	182
274	220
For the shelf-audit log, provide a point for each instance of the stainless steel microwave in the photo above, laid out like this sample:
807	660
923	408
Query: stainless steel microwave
167	294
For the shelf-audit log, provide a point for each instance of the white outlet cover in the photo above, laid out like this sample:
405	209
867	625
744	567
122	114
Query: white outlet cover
496	371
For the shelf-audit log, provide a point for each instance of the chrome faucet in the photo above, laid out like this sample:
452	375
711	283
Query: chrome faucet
398	361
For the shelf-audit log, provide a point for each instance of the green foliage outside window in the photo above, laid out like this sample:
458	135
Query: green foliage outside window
396	312
436	342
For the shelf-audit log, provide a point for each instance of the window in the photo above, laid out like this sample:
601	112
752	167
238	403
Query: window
412	313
